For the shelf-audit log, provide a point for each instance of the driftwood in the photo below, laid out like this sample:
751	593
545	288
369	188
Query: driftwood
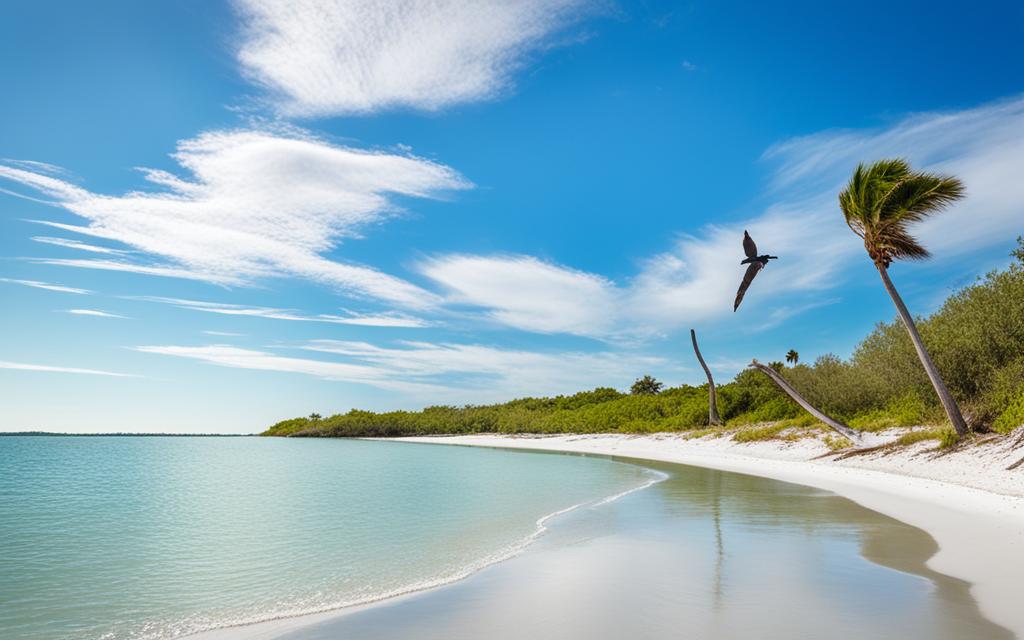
852	434
713	418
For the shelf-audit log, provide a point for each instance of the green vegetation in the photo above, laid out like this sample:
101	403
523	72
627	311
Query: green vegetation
976	340
945	436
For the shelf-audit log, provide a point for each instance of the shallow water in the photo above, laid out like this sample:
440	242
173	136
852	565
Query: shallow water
122	537
704	554
160	537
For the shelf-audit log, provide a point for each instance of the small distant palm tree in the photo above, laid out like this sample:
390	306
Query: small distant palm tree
646	386
792	357
314	417
879	202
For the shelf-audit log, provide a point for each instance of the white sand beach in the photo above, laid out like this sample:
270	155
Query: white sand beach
965	499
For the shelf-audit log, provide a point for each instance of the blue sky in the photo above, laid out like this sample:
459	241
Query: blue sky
217	215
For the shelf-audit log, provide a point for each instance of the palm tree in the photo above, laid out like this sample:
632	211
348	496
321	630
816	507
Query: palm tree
646	386
880	201
792	356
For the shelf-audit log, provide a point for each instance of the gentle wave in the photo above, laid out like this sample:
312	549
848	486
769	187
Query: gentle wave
461	574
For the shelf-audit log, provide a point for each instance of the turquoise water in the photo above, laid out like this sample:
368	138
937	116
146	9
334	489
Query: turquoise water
120	537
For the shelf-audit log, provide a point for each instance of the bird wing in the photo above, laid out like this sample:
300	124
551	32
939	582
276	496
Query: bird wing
749	247
748	277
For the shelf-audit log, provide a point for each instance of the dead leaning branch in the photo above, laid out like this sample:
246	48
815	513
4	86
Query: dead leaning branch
851	434
713	418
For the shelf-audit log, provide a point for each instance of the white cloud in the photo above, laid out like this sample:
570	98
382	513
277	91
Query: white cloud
389	319
323	57
75	244
227	334
437	372
526	293
47	286
94	312
21	366
256	205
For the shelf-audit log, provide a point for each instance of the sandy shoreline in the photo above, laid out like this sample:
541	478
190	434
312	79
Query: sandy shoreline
977	517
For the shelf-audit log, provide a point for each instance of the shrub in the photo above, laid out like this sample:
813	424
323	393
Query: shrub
1012	417
905	411
754	434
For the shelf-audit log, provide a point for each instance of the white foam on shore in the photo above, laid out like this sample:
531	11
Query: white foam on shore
295	617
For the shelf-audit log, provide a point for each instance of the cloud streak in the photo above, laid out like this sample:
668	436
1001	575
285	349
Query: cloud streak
21	366
36	284
94	313
389	319
75	244
328	57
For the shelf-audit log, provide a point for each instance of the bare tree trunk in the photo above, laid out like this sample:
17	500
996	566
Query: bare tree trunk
948	403
713	418
837	426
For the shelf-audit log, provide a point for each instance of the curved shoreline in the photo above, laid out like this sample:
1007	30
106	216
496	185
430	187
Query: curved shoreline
980	533
272	627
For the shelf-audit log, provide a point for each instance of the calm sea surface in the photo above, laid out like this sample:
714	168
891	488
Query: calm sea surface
161	537
110	537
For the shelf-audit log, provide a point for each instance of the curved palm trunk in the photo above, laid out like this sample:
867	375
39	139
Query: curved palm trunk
838	427
713	418
948	403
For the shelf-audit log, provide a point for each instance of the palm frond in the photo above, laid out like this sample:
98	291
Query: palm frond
883	197
897	244
918	196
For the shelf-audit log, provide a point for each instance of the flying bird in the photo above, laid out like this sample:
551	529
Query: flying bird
756	263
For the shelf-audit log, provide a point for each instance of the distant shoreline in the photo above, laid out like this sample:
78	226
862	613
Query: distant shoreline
128	434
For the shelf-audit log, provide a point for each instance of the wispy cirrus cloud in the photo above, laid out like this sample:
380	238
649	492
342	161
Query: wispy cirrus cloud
441	371
22	366
94	313
385	319
36	284
256	204
325	57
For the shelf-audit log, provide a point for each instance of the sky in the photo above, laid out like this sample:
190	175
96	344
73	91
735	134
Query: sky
217	215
